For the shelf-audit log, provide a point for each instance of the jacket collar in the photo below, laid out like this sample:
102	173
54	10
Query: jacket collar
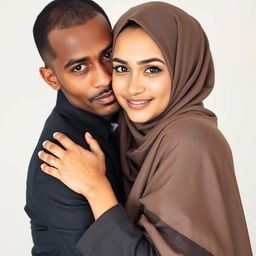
84	119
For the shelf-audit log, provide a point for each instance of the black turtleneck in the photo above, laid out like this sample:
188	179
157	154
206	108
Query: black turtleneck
59	216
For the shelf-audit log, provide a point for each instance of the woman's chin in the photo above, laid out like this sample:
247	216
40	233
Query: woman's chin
138	118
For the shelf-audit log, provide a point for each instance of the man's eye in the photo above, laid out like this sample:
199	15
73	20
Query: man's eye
107	55
79	68
152	70
120	69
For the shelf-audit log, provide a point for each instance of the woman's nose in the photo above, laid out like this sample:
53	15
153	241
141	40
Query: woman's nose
135	86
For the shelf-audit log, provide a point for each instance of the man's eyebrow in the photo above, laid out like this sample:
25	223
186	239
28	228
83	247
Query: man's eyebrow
107	48
139	62
74	61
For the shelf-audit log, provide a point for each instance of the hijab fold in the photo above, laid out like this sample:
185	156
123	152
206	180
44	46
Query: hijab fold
178	167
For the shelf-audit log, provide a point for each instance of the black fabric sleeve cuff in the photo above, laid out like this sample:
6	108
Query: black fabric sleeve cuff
115	234
101	228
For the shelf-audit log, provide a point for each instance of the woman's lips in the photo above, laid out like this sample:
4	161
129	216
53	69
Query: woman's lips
106	98
138	103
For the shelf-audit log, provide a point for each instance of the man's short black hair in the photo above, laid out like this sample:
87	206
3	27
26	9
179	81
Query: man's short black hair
61	14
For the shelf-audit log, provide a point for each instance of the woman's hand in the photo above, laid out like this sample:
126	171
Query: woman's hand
81	170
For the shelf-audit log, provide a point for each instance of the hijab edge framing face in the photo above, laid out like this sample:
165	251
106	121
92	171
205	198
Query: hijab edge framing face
182	56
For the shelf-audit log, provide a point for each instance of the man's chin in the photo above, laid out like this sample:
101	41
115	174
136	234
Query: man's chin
111	113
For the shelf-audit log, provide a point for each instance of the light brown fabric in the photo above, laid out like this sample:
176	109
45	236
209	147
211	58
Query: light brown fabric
179	166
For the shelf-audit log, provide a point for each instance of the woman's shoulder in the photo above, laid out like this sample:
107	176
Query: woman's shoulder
194	138
195	130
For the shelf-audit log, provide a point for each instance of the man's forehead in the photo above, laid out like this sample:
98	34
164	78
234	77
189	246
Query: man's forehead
91	37
89	31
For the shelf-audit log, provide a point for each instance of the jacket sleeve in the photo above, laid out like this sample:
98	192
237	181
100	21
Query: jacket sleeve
114	234
59	217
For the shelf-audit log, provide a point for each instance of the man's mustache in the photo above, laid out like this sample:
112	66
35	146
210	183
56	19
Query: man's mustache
100	93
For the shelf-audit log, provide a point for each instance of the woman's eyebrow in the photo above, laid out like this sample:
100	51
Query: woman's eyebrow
149	60
120	61
139	62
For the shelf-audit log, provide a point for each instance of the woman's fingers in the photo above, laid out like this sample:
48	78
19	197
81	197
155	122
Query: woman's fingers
51	171
54	148
94	145
81	170
49	159
65	141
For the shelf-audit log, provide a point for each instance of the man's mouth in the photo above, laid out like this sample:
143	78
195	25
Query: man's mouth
105	97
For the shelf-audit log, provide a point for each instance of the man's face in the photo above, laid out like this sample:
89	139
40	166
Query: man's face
83	66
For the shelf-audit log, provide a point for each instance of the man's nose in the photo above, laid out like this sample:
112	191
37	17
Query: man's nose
102	75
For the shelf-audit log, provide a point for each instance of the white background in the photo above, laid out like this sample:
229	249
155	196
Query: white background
26	100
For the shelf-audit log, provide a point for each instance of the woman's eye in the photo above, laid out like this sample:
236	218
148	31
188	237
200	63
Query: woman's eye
79	68
120	69
107	55
153	70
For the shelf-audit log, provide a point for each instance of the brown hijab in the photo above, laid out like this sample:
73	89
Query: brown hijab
178	168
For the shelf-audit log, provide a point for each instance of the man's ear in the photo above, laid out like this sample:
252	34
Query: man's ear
49	77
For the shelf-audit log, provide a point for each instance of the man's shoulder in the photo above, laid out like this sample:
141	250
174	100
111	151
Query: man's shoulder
59	122
54	123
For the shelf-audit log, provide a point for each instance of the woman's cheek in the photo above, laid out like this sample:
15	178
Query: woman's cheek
117	85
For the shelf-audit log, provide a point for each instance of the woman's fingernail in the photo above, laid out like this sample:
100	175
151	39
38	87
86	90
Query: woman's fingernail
39	153
42	166
55	134
44	143
89	135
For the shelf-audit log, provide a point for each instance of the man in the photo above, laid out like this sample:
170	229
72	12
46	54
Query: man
74	40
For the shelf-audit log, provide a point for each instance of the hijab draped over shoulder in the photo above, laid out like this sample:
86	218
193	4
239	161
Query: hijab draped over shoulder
178	168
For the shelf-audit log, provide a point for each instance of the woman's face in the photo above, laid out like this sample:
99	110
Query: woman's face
141	79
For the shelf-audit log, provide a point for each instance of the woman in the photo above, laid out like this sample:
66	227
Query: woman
178	169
